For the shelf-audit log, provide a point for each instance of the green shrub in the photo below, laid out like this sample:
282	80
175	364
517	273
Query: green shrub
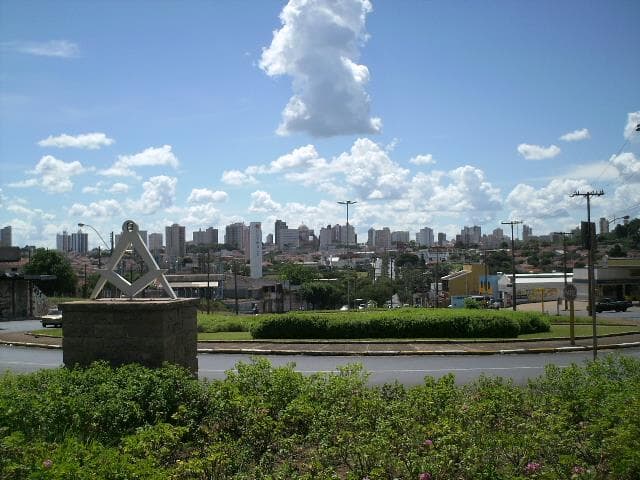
400	323
577	422
211	323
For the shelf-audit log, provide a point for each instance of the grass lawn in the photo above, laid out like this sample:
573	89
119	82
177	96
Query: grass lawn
558	330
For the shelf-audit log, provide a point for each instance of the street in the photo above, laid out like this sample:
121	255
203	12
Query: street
408	370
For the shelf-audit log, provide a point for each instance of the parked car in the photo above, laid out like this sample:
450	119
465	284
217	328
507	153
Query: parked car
608	304
52	318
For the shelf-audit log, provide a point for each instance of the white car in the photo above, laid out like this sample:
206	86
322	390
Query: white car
53	318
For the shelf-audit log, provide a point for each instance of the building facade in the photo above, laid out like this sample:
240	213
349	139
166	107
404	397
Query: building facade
255	249
6	237
208	237
175	238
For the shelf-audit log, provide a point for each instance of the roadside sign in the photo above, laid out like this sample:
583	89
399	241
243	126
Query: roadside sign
570	292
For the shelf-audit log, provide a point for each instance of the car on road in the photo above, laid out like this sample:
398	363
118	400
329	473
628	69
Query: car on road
52	318
608	304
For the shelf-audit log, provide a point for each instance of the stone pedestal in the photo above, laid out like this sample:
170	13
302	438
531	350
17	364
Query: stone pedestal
148	332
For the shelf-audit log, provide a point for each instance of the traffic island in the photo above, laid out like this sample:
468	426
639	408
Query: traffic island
145	331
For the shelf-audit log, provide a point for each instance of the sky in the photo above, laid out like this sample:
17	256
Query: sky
426	113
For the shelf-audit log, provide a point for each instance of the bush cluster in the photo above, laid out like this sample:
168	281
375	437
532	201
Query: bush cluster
401	323
215	322
578	422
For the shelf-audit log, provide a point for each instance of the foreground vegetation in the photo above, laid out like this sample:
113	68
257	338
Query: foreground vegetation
274	423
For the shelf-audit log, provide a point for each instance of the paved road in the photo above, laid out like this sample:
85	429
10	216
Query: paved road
409	370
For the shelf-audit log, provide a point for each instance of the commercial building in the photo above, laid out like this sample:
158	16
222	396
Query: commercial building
234	235
63	242
618	278
80	242
155	243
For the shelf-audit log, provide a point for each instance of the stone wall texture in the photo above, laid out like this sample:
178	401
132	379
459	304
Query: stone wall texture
148	332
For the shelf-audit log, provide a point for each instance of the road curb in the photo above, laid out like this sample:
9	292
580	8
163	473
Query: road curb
30	344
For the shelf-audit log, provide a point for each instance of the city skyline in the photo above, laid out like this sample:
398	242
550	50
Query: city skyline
438	114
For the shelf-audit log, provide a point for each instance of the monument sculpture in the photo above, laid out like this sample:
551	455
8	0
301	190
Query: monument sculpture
130	329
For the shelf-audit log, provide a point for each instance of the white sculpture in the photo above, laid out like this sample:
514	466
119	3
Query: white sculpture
131	236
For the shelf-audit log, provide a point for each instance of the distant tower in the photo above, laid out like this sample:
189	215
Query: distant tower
5	236
175	238
255	249
604	225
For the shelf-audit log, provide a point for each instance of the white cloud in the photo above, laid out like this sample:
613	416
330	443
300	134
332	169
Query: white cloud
633	120
552	201
536	152
236	177
262	202
576	135
100	209
90	141
198	216
52	48
151	157
300	157
52	175
119	188
628	166
158	193
91	189
423	160
204	195
318	46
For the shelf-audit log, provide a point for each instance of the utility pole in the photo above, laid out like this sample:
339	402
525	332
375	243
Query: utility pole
437	275
208	284
513	259
564	260
347	203
591	241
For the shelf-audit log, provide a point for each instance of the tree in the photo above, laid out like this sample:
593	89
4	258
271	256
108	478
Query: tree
322	295
52	262
617	251
296	274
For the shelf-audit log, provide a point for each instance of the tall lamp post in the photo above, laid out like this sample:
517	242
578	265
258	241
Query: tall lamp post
347	203
80	224
564	261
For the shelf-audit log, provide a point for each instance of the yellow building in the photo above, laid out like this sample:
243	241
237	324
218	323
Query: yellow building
468	281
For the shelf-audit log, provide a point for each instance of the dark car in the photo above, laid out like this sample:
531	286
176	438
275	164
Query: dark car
608	304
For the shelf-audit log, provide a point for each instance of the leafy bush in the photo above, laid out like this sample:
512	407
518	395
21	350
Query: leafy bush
578	422
224	323
401	323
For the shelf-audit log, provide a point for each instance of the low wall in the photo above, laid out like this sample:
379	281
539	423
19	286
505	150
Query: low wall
145	331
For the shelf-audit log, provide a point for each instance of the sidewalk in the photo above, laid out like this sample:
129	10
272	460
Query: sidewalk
371	348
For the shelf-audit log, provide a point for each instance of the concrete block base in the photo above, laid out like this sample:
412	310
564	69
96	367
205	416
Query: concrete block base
149	332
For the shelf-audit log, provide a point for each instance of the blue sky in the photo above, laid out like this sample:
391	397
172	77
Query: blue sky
428	113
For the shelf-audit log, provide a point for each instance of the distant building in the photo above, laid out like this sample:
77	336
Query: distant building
155	243
424	238
208	237
255	249
63	242
269	240
175	238
288	239
5	237
527	232
399	237
471	235
442	238
382	239
279	225
234	235
604	226
143	235
337	235
80	242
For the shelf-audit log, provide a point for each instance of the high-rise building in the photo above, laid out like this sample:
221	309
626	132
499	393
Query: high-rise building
234	235
527	232
400	237
337	235
280	225
424	238
63	242
208	237
80	242
175	238
144	236
471	235
383	238
5	237
604	226
155	243
255	249
442	238
371	237
289	239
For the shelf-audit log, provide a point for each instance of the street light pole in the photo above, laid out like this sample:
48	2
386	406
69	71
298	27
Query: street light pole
564	261
513	260
80	224
347	203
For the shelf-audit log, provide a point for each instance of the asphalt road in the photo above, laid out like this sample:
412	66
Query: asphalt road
409	370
